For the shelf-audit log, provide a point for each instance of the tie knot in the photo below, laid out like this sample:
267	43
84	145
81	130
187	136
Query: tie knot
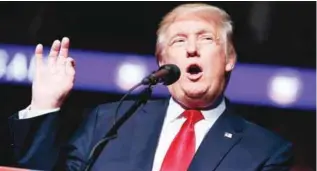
193	116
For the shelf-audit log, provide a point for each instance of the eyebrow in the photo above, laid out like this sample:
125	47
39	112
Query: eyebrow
182	34
204	31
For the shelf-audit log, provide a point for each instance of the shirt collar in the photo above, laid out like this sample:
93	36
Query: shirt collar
175	110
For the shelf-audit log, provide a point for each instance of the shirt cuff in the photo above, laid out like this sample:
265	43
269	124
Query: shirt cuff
28	113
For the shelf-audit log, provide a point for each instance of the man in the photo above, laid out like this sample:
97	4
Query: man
193	130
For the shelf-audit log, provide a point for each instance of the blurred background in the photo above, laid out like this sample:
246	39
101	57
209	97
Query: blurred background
114	42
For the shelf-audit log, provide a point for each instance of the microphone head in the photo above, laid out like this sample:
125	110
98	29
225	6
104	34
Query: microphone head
173	74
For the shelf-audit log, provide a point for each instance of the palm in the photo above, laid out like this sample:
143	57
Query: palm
54	80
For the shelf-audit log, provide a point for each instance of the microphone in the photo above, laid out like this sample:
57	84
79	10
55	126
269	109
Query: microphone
166	74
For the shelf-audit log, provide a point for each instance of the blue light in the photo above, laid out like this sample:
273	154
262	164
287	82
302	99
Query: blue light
98	71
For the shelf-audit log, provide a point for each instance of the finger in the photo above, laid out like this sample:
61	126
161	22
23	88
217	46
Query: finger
38	55
64	47
54	51
63	53
70	66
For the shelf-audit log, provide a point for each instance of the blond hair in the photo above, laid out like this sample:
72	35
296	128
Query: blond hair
222	20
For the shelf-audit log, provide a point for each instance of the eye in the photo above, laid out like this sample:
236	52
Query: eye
207	38
179	40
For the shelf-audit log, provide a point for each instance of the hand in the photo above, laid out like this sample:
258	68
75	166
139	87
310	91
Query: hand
54	80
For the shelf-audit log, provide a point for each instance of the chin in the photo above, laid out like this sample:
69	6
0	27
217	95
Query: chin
194	103
194	95
194	99
195	91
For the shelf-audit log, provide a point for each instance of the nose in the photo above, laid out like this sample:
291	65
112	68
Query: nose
191	49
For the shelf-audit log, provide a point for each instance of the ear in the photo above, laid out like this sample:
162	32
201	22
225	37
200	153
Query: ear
231	58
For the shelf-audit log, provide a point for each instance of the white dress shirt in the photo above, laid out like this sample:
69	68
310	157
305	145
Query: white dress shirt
172	124
28	113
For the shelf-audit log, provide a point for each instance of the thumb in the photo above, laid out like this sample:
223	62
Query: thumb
70	66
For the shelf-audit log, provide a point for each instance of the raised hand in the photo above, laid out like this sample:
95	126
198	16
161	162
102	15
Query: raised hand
52	80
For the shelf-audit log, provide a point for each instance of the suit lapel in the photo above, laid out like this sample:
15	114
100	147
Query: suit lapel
221	138
147	131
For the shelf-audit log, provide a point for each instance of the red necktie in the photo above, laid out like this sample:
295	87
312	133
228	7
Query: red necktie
182	149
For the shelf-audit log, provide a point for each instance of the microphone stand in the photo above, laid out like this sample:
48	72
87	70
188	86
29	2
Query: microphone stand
97	149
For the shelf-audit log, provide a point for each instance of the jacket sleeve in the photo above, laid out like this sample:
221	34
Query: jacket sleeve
281	160
75	153
36	142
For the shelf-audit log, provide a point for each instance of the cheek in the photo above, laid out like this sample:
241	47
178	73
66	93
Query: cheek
176	57
214	63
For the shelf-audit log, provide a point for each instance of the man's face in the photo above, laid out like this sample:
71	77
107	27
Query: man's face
192	45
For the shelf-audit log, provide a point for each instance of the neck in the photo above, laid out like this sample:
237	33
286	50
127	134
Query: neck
211	105
215	103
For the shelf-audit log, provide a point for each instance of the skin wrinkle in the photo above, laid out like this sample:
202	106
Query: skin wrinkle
202	33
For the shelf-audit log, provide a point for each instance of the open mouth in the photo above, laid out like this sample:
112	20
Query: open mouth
194	69
194	72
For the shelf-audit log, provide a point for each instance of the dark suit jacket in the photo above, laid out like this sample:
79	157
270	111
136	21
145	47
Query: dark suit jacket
250	148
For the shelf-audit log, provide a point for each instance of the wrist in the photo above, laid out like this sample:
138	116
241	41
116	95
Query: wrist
43	106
